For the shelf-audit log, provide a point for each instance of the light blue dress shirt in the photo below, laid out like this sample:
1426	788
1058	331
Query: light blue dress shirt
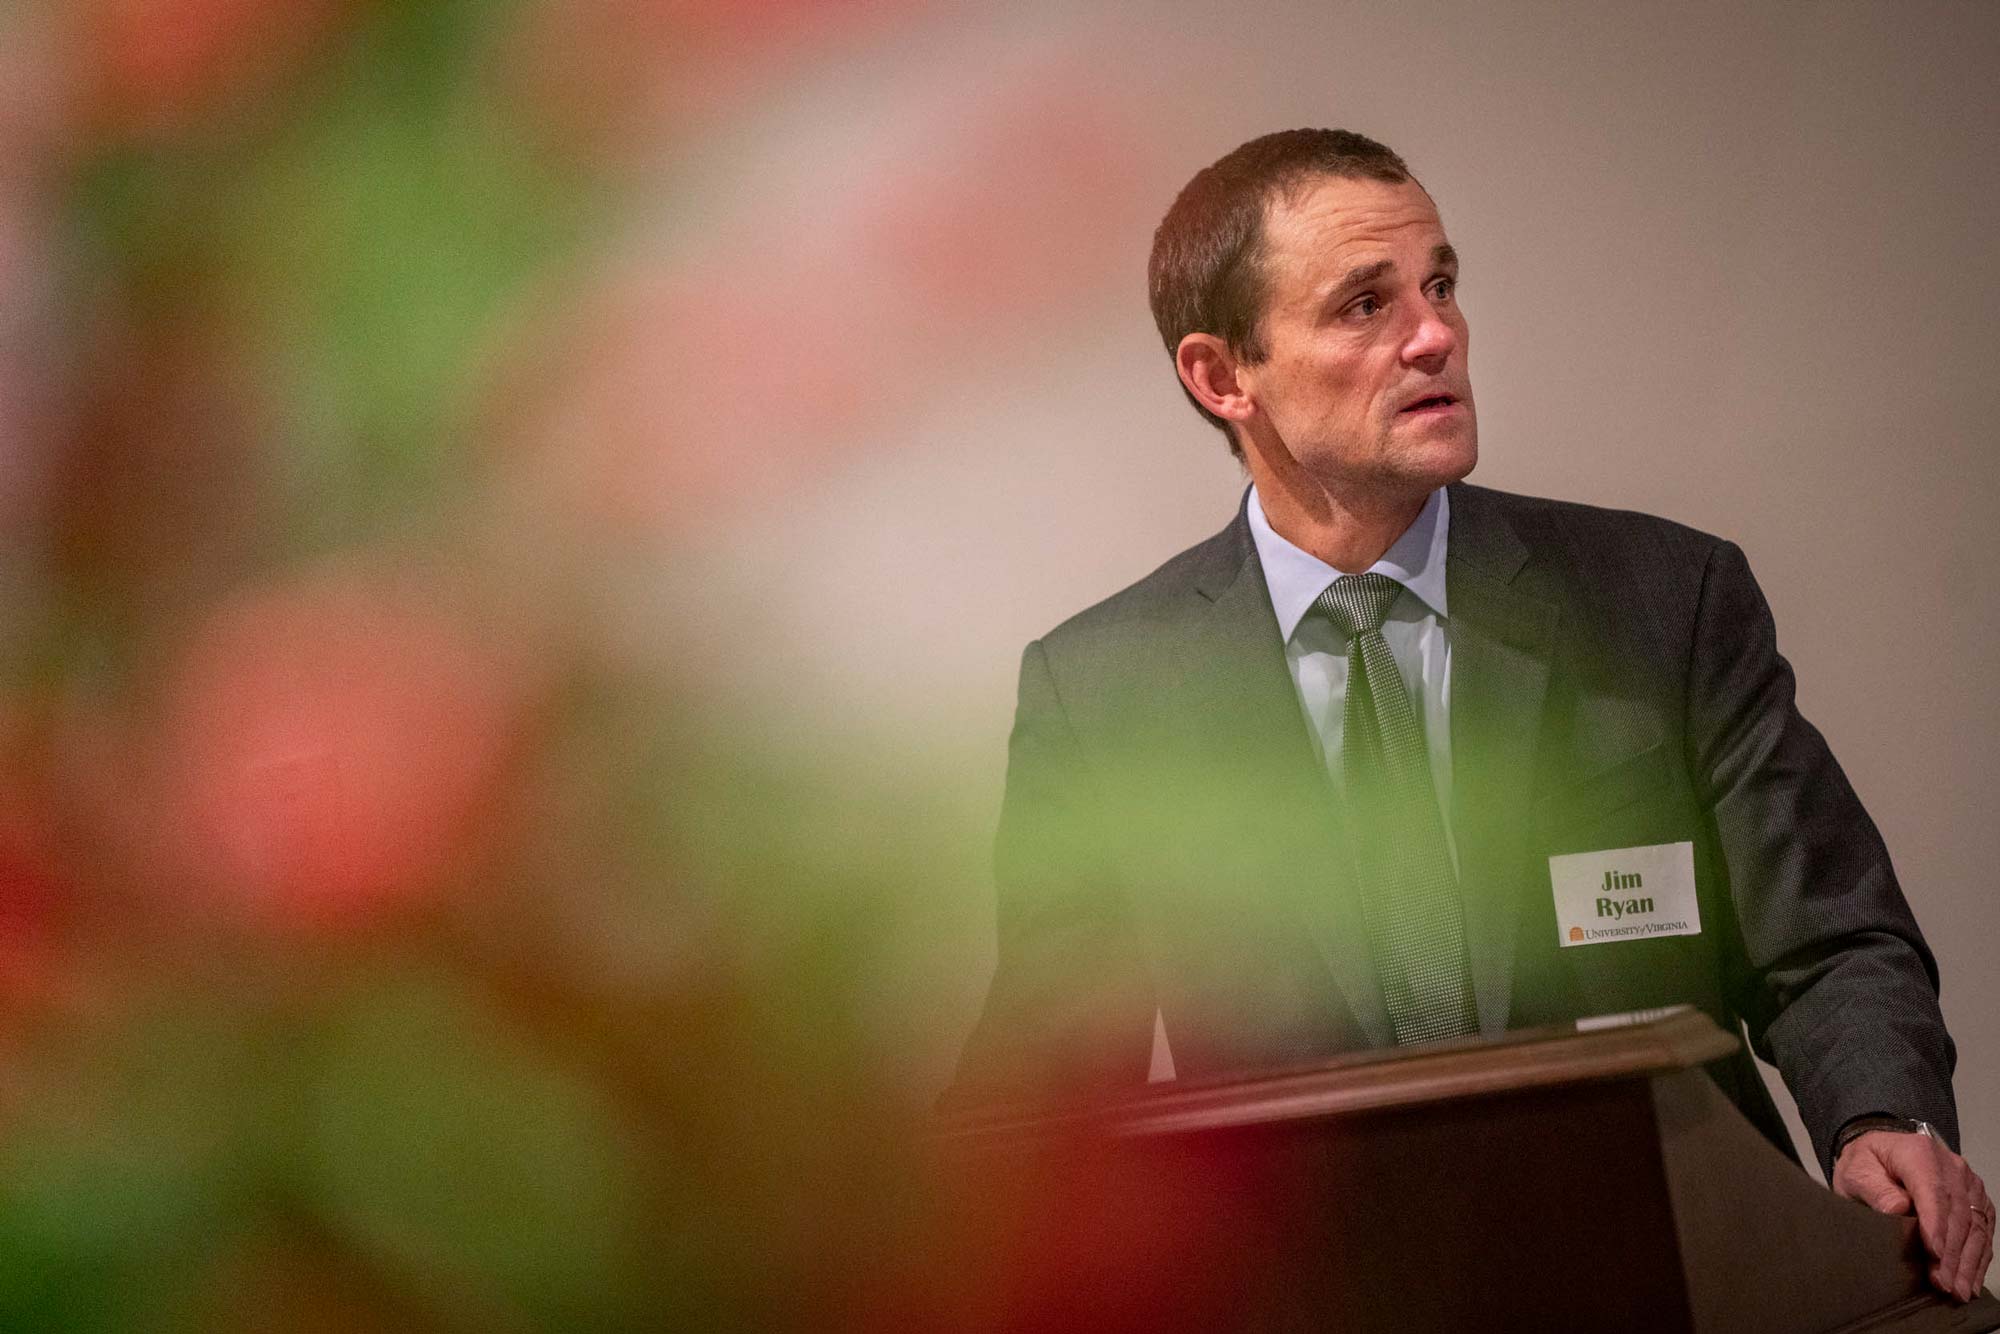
1416	628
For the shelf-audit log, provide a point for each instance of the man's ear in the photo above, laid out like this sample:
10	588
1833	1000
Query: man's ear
1208	368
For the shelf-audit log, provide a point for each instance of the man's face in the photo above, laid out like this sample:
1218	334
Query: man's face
1364	383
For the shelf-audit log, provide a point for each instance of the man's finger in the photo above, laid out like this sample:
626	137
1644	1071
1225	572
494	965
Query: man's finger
1944	1217
1919	1176
1887	1198
1970	1267
1862	1176
1977	1250
1965	1222
1973	1272
1871	1185
1890	1199
1972	1275
1958	1230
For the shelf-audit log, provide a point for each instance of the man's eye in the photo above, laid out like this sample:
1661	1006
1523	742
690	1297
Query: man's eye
1444	288
1366	305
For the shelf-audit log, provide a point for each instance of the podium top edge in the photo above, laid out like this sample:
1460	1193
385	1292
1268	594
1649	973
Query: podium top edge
1588	1052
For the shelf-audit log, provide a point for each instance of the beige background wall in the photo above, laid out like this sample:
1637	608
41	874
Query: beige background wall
1730	264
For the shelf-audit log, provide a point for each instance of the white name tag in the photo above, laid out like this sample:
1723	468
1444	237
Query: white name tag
1625	894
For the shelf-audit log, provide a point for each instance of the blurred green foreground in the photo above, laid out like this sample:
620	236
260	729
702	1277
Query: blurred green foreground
387	940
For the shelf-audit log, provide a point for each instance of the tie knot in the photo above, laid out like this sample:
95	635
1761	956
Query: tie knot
1359	602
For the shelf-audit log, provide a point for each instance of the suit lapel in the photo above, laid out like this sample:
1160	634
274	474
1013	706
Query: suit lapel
1249	708
1501	643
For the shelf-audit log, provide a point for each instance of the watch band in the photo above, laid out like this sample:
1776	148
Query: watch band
1861	1125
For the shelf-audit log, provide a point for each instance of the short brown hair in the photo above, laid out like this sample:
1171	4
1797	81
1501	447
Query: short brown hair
1206	272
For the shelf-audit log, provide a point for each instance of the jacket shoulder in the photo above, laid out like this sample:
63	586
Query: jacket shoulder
1613	542
1573	520
1156	599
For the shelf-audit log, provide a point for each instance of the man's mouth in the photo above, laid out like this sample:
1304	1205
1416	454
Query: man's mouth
1433	403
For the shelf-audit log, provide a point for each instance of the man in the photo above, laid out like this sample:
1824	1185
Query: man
1393	758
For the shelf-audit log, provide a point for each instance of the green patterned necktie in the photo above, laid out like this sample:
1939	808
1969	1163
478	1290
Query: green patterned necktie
1409	893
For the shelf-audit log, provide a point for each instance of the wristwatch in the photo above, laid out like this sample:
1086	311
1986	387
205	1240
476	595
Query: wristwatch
1861	1125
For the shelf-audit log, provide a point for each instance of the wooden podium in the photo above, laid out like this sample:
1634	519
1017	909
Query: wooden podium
1586	1178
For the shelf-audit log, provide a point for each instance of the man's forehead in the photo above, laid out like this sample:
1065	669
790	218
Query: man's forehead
1334	221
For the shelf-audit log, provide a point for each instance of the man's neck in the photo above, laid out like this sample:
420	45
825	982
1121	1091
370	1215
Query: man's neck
1350	532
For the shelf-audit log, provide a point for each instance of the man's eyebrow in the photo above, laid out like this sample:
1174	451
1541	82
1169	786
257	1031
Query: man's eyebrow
1442	256
1359	274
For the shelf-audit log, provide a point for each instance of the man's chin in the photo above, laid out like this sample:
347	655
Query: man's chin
1442	464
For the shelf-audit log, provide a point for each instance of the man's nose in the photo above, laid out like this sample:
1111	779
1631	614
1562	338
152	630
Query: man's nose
1431	342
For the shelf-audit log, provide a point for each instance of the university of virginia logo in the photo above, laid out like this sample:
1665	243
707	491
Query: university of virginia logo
1616	908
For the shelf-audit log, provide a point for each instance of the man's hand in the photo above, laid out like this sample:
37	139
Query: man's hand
1892	1173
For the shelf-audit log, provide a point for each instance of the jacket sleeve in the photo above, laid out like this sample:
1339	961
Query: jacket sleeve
1842	990
1070	1008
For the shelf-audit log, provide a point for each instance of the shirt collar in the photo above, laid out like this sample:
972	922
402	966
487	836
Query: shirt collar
1296	577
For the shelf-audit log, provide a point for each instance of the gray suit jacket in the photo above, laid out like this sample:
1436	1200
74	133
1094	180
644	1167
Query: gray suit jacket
1169	840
